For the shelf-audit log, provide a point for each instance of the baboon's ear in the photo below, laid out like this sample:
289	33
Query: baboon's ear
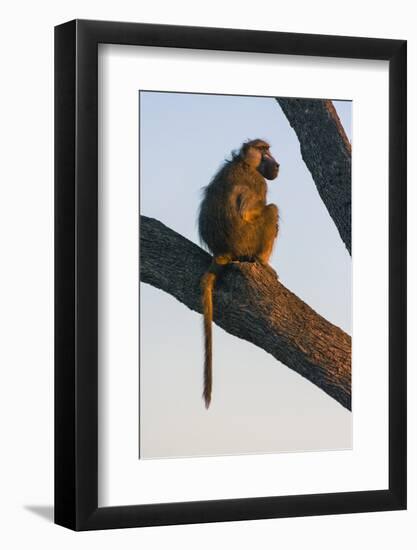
251	155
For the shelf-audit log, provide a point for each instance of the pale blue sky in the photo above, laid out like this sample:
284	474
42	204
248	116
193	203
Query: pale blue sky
259	405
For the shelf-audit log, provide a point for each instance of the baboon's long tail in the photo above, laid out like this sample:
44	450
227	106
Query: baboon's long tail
207	286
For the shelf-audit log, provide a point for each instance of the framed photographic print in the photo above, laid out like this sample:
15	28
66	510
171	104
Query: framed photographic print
230	275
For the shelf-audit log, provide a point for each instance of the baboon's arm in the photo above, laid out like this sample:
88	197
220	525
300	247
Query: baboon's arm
248	203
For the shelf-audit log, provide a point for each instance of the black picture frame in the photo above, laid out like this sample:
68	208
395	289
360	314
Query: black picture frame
76	272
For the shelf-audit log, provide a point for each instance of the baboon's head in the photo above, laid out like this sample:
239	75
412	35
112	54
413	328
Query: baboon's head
256	154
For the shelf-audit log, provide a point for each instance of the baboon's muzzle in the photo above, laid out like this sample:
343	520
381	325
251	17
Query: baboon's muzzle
269	169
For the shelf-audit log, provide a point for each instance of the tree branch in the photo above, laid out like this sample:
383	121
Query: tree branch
326	151
250	303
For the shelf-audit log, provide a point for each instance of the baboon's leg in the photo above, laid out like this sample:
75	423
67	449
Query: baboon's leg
270	232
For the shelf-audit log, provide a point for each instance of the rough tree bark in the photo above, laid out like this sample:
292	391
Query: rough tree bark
252	304
326	151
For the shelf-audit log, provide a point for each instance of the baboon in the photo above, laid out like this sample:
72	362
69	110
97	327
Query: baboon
236	224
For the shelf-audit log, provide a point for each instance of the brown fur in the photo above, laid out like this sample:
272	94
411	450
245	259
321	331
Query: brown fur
236	224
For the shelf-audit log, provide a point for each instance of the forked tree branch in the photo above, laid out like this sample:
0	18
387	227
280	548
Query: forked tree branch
326	151
250	303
